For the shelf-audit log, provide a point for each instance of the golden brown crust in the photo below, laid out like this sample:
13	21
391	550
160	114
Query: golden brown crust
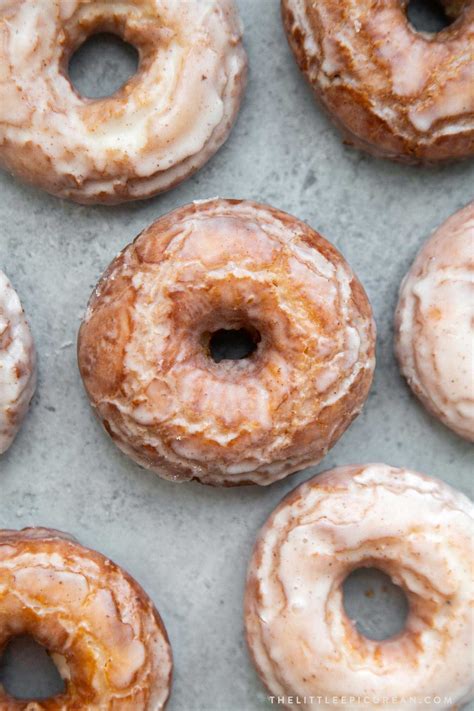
393	92
227	264
100	627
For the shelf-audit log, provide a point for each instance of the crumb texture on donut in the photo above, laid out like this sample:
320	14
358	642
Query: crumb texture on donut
434	324
222	264
417	530
395	92
160	127
101	629
17	364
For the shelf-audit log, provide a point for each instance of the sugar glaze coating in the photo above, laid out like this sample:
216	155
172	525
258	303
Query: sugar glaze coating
395	92
227	264
434	324
160	127
416	529
101	629
17	364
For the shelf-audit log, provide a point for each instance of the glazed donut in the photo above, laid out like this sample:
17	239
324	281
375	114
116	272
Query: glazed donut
158	129
394	92
101	629
17	364
145	345
417	530
434	324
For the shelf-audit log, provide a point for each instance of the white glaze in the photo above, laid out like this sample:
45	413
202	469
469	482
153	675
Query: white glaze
435	324
416	529
418	85
17	364
160	127
83	607
227	265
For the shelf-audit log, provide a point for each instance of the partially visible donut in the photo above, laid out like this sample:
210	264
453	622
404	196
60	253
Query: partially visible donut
145	345
101	629
395	92
159	128
434	324
17	364
417	530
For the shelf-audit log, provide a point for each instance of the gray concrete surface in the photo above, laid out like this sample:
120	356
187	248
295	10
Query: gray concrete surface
189	545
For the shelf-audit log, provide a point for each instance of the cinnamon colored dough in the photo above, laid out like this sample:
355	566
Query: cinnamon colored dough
394	92
101	629
144	346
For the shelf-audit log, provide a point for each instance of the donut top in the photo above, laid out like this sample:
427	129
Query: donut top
223	264
17	363
416	529
190	53
87	610
436	322
419	84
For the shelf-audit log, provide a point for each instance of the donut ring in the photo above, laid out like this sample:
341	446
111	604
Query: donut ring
17	364
417	530
434	324
394	92
102	630
158	129
144	346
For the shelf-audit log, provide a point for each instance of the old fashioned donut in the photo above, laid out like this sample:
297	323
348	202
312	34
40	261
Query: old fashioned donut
17	364
159	128
101	629
394	92
217	265
434	324
417	530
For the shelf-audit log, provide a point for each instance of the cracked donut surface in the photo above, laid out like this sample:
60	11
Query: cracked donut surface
226	264
17	364
417	530
395	92
160	127
101	629
434	324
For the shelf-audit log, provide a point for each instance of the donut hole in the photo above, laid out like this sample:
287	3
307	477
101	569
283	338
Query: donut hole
102	65
378	608
232	344
28	672
427	16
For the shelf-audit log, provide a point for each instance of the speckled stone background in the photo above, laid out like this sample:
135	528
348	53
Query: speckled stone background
188	545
